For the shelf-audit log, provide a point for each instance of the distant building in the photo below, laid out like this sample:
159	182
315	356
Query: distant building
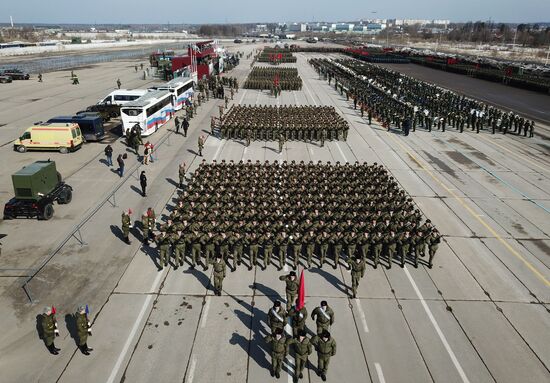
296	27
342	27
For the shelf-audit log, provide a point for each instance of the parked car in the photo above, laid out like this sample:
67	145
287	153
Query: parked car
5	79
15	74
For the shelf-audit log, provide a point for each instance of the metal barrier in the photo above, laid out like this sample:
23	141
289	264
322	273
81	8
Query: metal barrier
75	232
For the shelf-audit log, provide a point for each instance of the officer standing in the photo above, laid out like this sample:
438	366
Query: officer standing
302	349
177	124
326	348
279	350
118	83
49	330
291	288
126	225
357	272
281	142
185	125
83	329
323	316
181	173
201	145
219	274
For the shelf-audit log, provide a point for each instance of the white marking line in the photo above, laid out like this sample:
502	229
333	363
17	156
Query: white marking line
205	314
219	149
362	315
242	98
437	329
310	95
192	370
133	332
341	152
379	373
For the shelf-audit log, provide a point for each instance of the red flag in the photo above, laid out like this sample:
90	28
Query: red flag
53	310
301	291
280	56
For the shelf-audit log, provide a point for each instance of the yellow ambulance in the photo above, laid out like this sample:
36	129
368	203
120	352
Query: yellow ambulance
50	136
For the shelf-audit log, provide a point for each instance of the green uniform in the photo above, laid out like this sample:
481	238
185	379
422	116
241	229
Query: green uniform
434	239
276	319
254	247
325	350
195	240
310	247
291	289
126	222
48	328
145	227
268	249
391	248
237	245
378	242
357	272
323	243
404	247
323	319
302	349
179	248
163	243
82	328
279	350
219	274
298	318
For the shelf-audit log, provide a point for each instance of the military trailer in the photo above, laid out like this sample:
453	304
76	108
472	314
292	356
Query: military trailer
37	186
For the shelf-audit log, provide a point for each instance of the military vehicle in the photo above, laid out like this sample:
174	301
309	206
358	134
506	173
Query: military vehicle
37	186
15	74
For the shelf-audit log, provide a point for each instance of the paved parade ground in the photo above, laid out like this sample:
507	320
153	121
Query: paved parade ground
481	314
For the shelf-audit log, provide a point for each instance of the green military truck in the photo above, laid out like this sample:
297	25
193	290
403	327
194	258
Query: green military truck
37	186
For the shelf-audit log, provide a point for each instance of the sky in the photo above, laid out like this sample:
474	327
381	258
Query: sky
249	11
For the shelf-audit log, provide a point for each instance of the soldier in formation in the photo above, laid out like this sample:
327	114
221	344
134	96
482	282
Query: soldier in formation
310	212
84	329
283	123
403	102
264	78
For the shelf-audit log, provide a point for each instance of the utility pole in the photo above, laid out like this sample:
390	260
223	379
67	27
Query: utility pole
547	55
11	21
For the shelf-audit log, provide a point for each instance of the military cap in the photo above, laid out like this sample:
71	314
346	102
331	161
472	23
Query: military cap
325	334
47	309
278	331
292	273
324	303
277	304
302	333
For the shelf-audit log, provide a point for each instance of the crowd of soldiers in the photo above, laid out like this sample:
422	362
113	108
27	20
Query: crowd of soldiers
265	123
298	209
276	56
400	101
264	78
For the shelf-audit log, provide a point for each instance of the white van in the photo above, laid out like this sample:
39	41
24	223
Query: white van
122	96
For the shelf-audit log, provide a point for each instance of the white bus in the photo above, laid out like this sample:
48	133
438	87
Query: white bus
122	96
150	112
181	88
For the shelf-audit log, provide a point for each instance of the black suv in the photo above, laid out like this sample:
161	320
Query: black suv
15	74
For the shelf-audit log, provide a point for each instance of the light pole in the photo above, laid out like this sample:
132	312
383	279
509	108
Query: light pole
547	55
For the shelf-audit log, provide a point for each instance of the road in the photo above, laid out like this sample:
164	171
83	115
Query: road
480	315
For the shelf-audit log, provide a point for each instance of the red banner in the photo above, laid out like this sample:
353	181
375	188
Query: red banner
301	291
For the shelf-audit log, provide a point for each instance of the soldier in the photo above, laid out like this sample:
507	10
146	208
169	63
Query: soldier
145	228
75	79
298	317
282	243
84	329
152	221
323	316
351	245
296	242
279	350
118	83
276	318
185	126
364	243
179	248
337	241
201	144
163	244
209	242
391	247
213	125
302	349
357	272
177	124
378	242
254	247
49	330
323	243
404	242
219	274
281	142
291	288
268	241
419	247
195	241
310	241
434	239
326	348
237	244
39	77
181	173
126	225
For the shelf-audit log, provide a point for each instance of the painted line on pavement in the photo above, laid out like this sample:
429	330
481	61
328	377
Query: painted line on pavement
205	315
341	152
191	375
437	328
220	146
530	266
242	98
362	315
379	373
133	332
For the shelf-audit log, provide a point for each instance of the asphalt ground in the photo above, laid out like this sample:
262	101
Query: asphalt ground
480	315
